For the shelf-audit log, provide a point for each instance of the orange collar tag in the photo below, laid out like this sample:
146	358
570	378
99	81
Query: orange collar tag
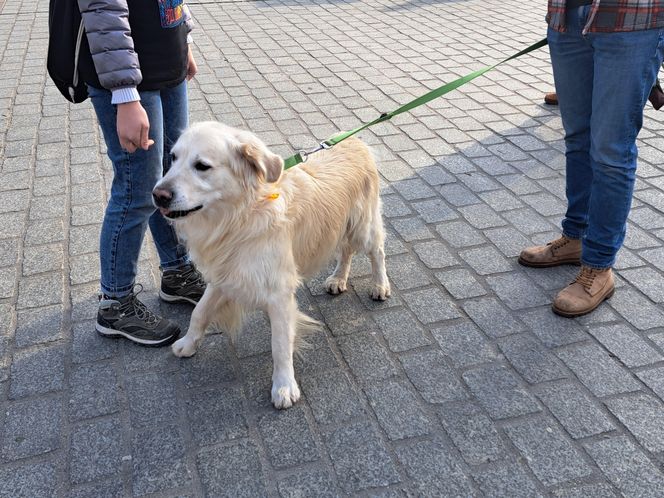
272	197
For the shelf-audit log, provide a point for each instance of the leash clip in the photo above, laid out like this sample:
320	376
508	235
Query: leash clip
304	154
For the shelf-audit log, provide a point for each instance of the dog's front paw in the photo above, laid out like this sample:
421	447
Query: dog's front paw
184	347
334	285
285	393
380	292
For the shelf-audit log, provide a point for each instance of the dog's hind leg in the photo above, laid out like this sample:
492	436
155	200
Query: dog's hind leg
283	315
201	317
380	290
338	281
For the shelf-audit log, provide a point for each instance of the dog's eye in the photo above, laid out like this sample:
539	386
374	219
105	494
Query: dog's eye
202	166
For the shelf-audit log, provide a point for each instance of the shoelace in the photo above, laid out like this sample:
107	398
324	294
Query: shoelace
557	244
192	275
586	277
136	307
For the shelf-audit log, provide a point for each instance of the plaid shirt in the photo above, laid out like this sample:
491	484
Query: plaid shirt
612	15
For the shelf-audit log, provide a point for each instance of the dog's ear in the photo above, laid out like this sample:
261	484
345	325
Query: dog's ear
268	166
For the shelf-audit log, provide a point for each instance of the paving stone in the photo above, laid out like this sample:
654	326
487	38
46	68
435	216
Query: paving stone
458	195
94	391
34	480
360	459
331	397
231	471
485	260
461	284
637	310
411	229
627	345
405	272
151	399
464	344
473	433
430	305
214	415
96	450
626	466
501	200
413	188
38	325
643	415
36	372
113	488
576	412
159	459
32	428
601	490
366	357
287	437
211	364
434	211
344	314
598	371
40	290
87	345
434	254
313	483
553	330
8	252
492	317
654	379
397	410
394	206
433	470
460	234
499	391
401	331
44	232
508	240
648	281
506	479
532	359
517	291
434	380
435	175
552	458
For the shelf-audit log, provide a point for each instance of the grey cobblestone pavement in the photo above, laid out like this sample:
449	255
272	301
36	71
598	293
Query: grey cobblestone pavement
463	384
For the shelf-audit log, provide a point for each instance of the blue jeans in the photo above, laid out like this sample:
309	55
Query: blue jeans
130	210
602	81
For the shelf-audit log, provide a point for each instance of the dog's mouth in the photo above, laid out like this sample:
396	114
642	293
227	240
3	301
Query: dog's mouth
178	214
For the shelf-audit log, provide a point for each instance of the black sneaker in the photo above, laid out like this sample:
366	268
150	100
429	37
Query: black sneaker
184	284
130	318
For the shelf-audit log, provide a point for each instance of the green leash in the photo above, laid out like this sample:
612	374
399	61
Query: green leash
302	155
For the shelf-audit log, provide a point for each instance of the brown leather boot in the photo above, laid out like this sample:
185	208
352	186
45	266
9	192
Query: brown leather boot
562	251
586	293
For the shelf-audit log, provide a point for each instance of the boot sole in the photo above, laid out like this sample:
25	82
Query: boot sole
169	298
117	334
568	314
530	264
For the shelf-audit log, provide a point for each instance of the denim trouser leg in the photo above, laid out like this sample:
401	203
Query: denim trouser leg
175	120
130	205
603	81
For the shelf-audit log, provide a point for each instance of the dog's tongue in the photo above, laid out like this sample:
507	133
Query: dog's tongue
164	211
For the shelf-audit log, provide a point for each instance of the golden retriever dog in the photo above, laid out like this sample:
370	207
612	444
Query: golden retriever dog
255	231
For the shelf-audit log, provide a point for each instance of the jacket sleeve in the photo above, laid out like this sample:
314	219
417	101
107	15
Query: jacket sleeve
111	45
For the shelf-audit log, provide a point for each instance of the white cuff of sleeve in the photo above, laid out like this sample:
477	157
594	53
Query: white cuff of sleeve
189	38
124	95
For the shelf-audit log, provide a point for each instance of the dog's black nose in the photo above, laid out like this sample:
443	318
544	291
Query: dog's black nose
162	197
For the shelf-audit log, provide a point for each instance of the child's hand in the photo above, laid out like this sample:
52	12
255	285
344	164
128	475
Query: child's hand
192	67
133	127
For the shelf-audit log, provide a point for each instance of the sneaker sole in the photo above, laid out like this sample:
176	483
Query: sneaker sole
169	298
116	334
525	262
568	314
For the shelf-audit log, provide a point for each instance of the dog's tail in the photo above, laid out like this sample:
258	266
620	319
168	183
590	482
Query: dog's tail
230	318
304	327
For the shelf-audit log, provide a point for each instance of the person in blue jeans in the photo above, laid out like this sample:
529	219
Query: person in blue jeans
136	63
605	56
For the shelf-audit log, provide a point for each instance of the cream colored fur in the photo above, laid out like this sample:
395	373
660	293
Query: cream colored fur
260	231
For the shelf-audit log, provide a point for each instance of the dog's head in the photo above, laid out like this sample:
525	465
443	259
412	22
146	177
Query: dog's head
212	163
